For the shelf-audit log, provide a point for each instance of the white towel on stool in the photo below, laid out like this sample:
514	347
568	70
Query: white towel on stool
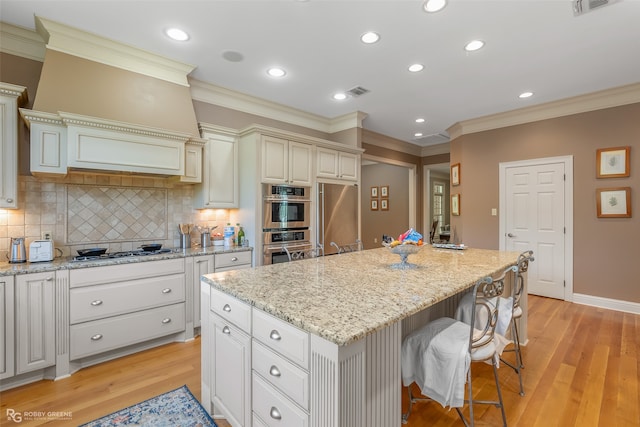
436	357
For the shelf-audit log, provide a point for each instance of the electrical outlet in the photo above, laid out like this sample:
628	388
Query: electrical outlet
375	240
47	235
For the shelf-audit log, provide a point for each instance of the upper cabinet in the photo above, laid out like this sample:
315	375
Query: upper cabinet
220	186
286	162
337	164
11	97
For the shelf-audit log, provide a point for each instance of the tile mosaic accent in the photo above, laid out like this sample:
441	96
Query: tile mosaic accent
115	214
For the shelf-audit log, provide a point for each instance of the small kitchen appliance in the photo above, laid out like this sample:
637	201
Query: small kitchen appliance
41	251
17	250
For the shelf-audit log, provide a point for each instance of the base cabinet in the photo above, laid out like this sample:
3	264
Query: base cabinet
35	321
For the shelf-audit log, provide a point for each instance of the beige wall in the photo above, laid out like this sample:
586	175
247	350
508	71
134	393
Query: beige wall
394	221
604	249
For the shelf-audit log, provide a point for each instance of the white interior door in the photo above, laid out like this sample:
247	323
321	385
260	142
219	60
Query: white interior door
534	216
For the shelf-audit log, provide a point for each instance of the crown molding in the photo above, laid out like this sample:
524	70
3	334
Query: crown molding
434	150
21	42
72	41
608	98
227	98
14	91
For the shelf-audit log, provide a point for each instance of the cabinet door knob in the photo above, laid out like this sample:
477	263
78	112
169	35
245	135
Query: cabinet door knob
227	308
275	414
9	200
226	330
234	259
274	371
96	302
275	335
166	320
49	279
96	337
166	290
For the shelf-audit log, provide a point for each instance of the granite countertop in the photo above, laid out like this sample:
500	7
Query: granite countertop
342	298
67	263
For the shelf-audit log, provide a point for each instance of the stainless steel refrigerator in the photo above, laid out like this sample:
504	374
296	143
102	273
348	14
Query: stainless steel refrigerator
337	215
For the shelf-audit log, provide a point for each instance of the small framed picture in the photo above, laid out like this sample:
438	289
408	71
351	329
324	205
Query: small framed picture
384	204
613	202
384	191
612	162
374	191
455	204
374	204
455	174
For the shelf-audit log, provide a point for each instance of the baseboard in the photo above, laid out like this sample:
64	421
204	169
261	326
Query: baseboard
611	304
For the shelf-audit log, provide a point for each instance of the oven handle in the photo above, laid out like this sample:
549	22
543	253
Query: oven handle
285	199
276	248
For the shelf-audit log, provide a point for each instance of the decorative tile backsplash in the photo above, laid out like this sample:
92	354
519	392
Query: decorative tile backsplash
119	212
116	214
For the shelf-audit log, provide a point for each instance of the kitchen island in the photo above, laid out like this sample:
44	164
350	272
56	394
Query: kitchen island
335	323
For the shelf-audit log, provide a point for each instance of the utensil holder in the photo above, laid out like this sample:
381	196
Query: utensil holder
205	240
185	241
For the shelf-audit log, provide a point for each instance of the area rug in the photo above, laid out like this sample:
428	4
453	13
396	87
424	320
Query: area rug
176	408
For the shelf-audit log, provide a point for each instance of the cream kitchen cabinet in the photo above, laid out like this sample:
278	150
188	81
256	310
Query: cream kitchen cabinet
337	164
7	328
116	306
230	340
35	321
220	186
11	97
286	162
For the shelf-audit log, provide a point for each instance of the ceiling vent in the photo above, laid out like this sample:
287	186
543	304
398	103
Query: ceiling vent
433	139
357	91
580	7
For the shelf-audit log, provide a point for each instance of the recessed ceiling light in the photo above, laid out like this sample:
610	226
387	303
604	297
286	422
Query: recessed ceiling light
340	96
420	120
276	72
418	134
414	68
370	37
525	95
432	6
177	34
474	45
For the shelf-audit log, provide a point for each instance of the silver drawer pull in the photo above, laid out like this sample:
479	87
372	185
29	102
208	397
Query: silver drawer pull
275	335
166	290
227	308
234	259
49	279
226	330
96	337
166	320
96	302
9	200
275	414
274	371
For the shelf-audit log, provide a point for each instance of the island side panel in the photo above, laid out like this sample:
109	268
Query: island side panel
358	384
205	347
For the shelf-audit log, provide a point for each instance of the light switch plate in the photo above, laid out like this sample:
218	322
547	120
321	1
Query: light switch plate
494	212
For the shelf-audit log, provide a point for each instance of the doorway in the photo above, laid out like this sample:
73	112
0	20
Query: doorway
436	200
536	212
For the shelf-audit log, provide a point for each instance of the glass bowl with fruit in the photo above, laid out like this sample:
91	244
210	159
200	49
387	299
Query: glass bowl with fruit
406	244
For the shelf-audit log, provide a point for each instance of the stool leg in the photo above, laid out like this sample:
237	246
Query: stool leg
495	375
405	416
519	364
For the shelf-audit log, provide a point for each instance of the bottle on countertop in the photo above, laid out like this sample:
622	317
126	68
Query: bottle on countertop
229	234
240	238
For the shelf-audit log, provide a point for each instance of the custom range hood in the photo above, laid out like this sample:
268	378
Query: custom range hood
104	106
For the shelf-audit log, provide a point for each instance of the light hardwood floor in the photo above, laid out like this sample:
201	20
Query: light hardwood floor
582	369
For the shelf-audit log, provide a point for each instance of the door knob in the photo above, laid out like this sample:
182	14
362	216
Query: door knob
511	235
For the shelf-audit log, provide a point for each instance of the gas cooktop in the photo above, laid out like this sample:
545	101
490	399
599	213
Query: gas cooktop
123	254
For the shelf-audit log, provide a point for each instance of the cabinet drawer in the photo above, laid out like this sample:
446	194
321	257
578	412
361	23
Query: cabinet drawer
232	259
273	408
124	272
102	335
282	337
231	309
100	301
282	374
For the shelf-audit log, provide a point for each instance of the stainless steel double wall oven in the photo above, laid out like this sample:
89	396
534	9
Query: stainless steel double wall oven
286	221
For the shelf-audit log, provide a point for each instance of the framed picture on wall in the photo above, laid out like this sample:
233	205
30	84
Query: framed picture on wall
455	204
455	174
374	191
384	204
612	162
374	204
384	191
613	202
